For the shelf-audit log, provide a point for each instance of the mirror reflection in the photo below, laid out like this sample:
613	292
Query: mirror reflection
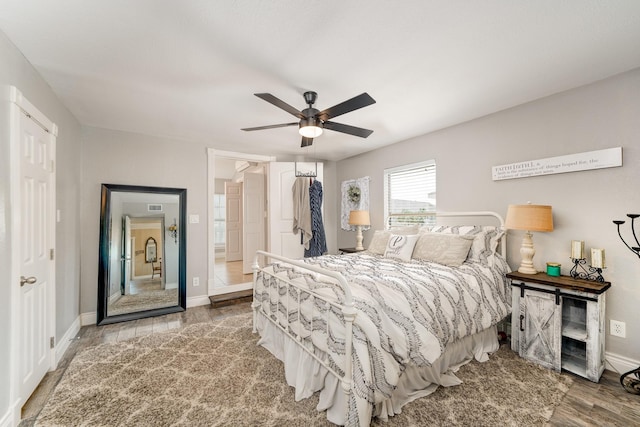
142	252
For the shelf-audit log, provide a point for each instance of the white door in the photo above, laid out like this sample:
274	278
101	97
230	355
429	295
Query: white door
33	208
125	258
233	243
254	213
282	241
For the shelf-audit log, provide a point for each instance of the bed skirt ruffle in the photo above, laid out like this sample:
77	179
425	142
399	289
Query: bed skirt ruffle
307	375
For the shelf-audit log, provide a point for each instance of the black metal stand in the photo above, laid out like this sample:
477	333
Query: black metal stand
586	273
630	380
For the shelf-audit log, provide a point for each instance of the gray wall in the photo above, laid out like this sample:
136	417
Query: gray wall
114	157
602	115
16	71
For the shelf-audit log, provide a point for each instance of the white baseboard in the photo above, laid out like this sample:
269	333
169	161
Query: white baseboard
88	318
619	364
63	343
198	301
91	318
7	419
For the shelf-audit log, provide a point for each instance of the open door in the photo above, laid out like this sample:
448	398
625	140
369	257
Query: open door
254	218
233	243
125	259
282	241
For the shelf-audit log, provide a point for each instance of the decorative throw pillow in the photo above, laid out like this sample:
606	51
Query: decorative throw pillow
446	249
379	242
380	238
400	246
486	239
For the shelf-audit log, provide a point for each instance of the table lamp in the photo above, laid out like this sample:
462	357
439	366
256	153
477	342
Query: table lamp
359	218
529	218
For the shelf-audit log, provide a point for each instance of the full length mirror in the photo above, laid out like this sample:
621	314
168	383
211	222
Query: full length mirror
142	265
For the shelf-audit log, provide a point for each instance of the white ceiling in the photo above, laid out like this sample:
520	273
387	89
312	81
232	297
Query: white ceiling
188	69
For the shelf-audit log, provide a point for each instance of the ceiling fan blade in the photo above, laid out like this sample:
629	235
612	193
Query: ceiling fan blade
306	141
280	104
351	130
354	103
271	126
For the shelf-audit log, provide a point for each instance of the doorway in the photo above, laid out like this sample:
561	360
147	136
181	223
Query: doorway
236	217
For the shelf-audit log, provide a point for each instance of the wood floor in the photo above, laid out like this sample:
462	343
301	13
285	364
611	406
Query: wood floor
230	273
586	404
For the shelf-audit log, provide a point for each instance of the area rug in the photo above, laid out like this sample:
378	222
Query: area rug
214	374
147	300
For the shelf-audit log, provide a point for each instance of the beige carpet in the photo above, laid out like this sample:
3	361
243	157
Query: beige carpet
213	374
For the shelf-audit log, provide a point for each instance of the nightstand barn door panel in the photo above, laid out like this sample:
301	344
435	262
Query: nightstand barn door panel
540	336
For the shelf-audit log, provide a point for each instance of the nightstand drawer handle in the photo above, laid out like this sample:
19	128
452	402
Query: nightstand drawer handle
521	319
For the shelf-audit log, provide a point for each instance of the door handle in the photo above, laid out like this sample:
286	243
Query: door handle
521	319
27	280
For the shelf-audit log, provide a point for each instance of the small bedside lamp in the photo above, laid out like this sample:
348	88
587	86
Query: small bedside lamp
359	218
529	218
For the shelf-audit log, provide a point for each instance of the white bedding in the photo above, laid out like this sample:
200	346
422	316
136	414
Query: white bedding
408	315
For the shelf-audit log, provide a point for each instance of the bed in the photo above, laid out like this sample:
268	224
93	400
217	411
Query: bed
374	330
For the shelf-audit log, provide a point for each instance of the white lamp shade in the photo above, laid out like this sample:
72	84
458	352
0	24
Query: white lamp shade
359	218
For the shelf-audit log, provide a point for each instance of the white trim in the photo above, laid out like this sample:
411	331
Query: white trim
221	290
211	180
198	301
5	421
16	97
620	364
63	343
87	319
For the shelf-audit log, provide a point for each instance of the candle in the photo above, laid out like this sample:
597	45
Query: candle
577	249
597	258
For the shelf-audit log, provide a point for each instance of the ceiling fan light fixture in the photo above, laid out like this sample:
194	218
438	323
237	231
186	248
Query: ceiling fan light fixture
310	128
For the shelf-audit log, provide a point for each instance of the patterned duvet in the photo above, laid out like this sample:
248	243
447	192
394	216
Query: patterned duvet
408	312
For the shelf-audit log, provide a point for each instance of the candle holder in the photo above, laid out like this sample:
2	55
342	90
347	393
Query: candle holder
634	249
580	270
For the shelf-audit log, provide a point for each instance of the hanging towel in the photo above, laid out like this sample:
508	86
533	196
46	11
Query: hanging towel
318	243
302	210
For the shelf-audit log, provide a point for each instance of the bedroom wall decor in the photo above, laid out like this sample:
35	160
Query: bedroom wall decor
599	159
355	197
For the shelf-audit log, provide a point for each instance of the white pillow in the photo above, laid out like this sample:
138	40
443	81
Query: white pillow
400	246
446	249
381	237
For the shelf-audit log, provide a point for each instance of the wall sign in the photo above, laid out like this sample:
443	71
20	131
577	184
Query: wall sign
608	158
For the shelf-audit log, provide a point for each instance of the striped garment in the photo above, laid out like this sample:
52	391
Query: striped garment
318	243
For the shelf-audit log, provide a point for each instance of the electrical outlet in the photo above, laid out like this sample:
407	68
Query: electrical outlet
196	281
617	329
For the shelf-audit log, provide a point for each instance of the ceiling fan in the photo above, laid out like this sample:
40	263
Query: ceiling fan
313	121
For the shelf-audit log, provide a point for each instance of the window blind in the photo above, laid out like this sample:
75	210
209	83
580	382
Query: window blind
410	194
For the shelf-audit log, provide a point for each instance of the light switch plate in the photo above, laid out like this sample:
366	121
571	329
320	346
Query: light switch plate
194	219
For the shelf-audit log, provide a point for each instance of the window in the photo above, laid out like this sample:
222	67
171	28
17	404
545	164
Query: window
410	194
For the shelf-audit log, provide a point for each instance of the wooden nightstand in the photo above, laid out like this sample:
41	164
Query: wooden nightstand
349	250
558	322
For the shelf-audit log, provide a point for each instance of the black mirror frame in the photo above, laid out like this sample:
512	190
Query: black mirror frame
103	259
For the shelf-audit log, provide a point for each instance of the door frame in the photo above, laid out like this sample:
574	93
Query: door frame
19	105
211	180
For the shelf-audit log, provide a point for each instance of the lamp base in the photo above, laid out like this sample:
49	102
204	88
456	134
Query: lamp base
527	252
359	246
